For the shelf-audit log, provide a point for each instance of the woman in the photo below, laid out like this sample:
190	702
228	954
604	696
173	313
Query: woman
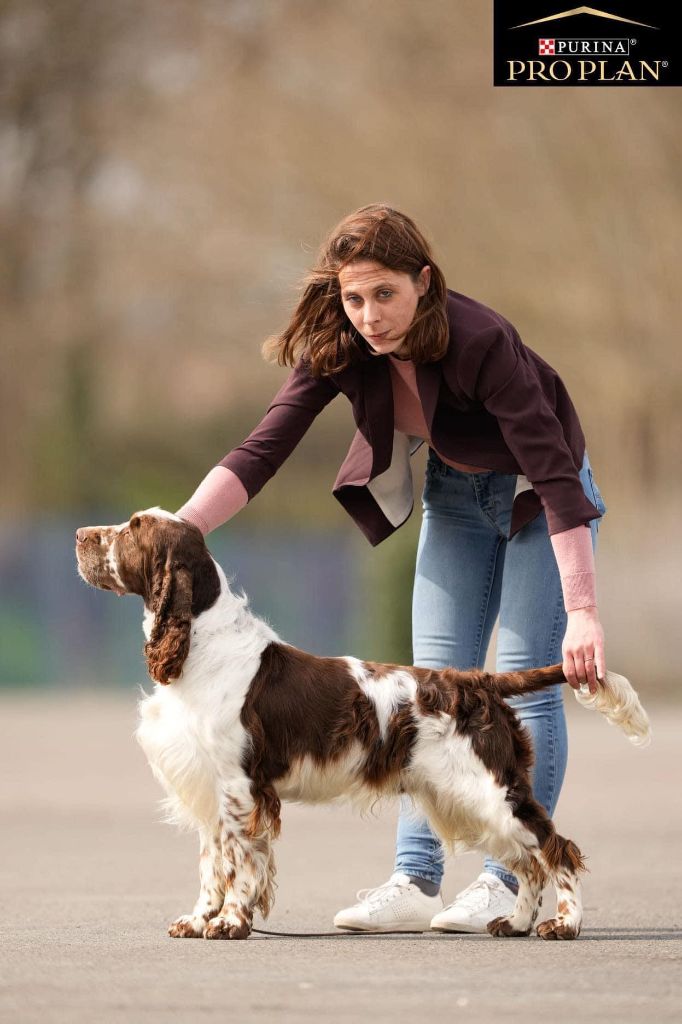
510	505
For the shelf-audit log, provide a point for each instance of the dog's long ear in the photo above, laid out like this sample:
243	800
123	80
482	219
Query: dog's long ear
168	645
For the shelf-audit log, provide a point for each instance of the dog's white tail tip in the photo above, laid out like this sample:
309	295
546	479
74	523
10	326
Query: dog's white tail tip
620	705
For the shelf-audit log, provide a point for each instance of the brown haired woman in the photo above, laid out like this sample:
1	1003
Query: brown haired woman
510	504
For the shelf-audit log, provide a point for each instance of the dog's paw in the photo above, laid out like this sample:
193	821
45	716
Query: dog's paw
556	929
234	926
502	927
187	927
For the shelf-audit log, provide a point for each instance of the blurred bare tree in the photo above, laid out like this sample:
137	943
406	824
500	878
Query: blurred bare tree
168	166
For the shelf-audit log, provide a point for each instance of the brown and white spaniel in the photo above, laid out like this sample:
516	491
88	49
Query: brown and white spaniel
240	720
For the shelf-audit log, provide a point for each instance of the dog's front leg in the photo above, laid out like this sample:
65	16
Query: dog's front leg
212	888
248	868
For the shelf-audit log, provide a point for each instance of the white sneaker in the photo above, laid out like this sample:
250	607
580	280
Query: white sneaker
472	908
396	906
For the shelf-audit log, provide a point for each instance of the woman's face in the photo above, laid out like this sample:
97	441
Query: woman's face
381	303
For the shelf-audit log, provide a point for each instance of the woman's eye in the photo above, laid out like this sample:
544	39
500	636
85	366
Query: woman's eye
386	293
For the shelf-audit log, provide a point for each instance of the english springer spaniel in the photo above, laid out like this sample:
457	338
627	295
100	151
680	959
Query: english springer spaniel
239	721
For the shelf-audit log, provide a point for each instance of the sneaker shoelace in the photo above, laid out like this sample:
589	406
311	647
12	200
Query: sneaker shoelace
472	894
380	894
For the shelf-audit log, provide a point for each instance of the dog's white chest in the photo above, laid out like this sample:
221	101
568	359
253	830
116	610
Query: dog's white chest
189	755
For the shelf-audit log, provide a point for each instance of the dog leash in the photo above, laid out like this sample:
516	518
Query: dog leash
329	935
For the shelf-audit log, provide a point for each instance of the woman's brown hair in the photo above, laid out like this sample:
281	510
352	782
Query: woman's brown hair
319	330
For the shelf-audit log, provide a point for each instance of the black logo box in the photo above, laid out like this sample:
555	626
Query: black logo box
654	59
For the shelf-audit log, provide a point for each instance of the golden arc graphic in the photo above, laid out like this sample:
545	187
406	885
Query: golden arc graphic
583	10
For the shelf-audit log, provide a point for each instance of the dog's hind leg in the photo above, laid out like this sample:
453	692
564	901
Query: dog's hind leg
211	892
248	866
559	860
563	861
531	878
536	853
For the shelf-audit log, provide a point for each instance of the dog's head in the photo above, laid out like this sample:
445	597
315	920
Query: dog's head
165	561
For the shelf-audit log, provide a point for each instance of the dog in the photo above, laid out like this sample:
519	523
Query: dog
240	721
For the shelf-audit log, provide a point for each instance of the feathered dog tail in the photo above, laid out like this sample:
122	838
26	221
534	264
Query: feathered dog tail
620	705
615	698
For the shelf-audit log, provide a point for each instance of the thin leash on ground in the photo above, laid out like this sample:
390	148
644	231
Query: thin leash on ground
331	935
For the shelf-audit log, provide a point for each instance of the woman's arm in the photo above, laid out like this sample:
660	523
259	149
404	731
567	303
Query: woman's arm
219	496
495	370
575	558
241	474
583	645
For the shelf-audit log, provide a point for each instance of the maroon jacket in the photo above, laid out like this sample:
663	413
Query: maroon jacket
490	401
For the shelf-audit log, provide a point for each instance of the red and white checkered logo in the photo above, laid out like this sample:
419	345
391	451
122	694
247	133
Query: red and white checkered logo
545	46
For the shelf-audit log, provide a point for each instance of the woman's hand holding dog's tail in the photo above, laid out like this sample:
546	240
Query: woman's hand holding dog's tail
583	649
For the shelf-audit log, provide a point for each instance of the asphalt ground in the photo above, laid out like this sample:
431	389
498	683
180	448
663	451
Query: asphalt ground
90	879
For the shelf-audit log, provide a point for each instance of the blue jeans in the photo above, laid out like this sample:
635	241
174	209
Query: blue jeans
468	572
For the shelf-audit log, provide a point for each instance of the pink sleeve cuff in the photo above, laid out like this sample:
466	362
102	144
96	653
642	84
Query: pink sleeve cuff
219	496
575	558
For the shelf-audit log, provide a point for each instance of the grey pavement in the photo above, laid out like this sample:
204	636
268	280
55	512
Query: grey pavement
90	879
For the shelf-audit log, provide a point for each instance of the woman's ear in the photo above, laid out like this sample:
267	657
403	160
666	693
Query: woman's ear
168	646
424	279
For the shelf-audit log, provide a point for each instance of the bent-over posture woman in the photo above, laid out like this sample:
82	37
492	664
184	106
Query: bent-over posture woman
510	504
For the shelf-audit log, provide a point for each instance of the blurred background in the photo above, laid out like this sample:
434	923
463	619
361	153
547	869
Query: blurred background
168	169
